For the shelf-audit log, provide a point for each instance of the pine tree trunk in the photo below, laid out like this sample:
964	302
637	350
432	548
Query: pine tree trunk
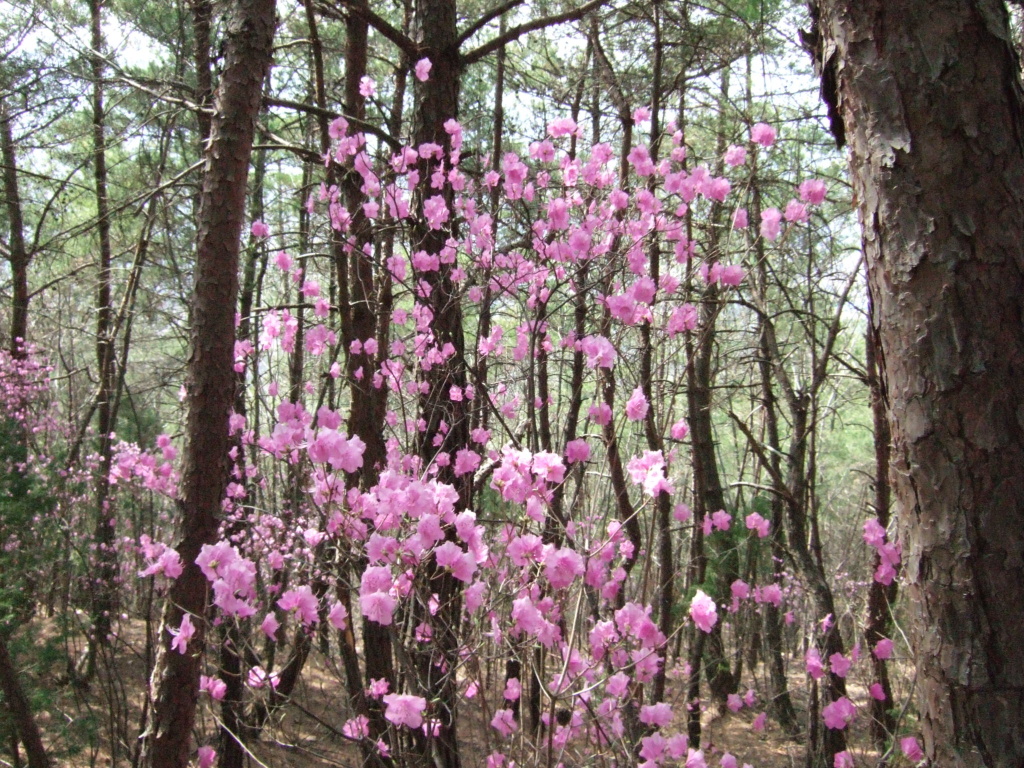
929	96
211	375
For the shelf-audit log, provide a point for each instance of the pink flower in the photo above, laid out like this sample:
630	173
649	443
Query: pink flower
513	689
759	722
258	678
601	414
812	191
883	649
303	602
367	87
735	155
680	430
839	713
840	664
740	220
771	221
656	715
703	611
270	626
466	462
762	134
642	115
813	664
207	755
405	710
910	747
213	686
653	748
636	406
728	761
617	684
338	616
423	67
576	451
740	589
378	607
182	634
562	126
843	760
259	229
734	702
796	212
721	520
876	691
757	523
562	566
504	722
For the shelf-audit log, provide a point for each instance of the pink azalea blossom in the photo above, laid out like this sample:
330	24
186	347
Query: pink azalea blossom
771	221
735	155
423	67
877	692
182	634
270	625
839	713
577	451
504	722
259	229
843	760
405	710
763	134
812	191
813	664
207	756
703	611
839	664
910	747
636	406
757	523
883	649
740	220
656	715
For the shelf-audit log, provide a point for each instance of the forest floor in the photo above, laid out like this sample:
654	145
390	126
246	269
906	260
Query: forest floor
99	726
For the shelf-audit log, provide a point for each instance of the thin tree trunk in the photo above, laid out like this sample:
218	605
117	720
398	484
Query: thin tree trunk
105	567
21	712
881	597
19	256
211	375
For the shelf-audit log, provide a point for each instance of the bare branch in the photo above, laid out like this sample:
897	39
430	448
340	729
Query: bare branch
490	16
521	29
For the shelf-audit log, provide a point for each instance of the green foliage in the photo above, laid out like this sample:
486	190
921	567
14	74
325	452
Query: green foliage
25	507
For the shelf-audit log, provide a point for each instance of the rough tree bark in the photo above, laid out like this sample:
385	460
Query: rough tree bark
211	376
928	95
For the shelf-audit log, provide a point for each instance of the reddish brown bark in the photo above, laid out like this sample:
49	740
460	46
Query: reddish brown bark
211	377
930	98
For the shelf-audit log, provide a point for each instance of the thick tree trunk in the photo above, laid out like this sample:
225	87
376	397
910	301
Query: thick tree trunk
211	376
930	97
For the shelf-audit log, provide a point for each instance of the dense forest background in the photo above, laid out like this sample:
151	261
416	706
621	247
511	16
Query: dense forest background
554	433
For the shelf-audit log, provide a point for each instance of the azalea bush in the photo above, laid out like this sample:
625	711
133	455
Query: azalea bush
553	629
